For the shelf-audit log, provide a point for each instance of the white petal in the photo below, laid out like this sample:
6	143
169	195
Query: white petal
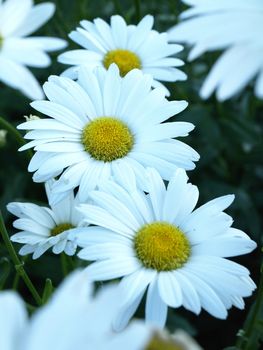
60	113
59	247
191	300
13	320
140	33
169	289
156	189
156	309
27	237
31	226
125	313
41	249
175	194
31	211
106	250
133	285
112	268
98	216
36	17
227	245
209	299
115	208
94	235
13	14
112	90
119	31
20	78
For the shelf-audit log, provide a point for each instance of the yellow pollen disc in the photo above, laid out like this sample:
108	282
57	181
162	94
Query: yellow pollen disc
60	228
160	343
162	246
125	60
107	139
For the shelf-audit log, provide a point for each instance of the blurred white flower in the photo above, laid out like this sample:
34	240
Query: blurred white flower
159	243
104	125
179	340
233	25
18	20
73	319
43	228
129	46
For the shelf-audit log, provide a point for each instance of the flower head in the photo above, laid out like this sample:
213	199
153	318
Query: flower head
204	26
104	125
128	46
158	241
43	228
18	20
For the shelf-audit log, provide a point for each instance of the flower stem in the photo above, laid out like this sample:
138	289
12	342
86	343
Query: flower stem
19	266
15	134
64	264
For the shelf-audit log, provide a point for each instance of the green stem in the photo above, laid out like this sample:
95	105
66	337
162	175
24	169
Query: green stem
18	264
17	276
30	308
137	4
16	281
4	124
64	264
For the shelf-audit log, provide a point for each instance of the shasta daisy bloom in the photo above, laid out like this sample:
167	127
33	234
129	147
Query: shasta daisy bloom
128	46
205	28
105	125
157	241
18	20
43	228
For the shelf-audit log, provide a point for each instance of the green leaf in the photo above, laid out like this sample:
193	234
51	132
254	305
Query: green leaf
48	290
5	268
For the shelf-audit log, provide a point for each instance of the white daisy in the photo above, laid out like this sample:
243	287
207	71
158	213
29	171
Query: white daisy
72	319
158	241
128	46
105	125
18	20
43	228
236	26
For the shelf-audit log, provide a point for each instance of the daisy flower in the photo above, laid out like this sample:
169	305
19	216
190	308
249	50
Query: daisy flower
157	241
105	125
43	228
235	26
72	319
18	20
128	46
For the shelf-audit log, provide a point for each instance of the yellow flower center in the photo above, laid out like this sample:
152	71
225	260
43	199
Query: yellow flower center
107	139
162	246
60	228
160	343
125	60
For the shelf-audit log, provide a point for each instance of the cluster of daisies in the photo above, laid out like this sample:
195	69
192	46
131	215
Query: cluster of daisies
115	175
